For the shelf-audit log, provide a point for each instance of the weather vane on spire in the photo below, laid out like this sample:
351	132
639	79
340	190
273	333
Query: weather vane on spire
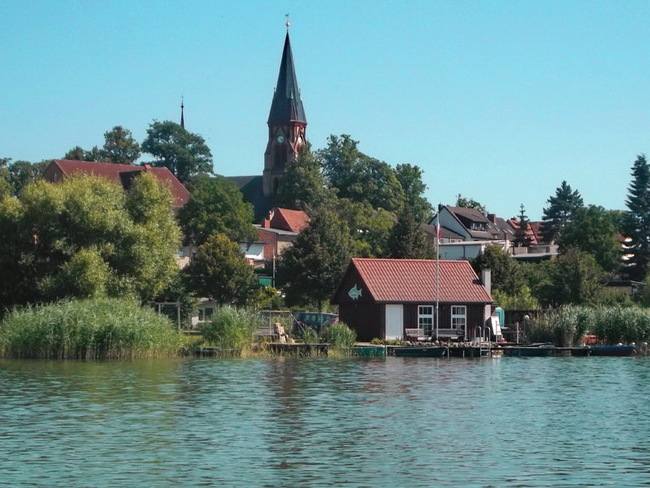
288	24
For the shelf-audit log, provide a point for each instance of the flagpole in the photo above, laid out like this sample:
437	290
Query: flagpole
437	265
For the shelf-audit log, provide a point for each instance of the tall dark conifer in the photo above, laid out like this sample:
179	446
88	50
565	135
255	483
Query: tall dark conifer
636	222
560	210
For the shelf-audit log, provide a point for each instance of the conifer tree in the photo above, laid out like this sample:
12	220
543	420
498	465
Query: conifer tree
636	221
560	210
521	234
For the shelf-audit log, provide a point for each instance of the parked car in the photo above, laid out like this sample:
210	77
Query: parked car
316	320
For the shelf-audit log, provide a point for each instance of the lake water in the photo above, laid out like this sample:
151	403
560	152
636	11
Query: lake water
393	422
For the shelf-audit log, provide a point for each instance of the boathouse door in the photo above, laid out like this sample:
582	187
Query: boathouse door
394	322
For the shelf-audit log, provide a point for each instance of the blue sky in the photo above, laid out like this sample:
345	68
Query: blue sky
499	101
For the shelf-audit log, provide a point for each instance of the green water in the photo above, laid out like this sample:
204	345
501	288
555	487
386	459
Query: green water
394	422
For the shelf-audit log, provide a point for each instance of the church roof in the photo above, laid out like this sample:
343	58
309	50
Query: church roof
287	105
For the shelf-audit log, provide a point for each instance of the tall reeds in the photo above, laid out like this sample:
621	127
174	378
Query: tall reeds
231	329
566	326
88	329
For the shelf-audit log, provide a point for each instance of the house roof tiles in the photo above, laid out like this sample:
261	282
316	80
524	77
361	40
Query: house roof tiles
414	280
121	173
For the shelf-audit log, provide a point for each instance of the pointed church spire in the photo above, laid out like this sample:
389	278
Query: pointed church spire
287	105
182	113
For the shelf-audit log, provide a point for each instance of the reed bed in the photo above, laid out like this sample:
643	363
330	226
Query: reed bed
566	326
340	336
88	329
231	329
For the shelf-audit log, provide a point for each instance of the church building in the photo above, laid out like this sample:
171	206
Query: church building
287	134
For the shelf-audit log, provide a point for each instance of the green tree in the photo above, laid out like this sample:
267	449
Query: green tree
559	211
303	186
407	240
311	269
506	273
79	238
216	206
220	272
636	222
575	278
410	177
461	201
120	147
359	177
23	172
185	154
369	227
5	185
522	236
77	153
591	230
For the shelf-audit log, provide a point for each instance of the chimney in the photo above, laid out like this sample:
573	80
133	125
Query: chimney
486	280
492	218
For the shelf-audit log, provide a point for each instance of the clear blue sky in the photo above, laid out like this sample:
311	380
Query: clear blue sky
497	100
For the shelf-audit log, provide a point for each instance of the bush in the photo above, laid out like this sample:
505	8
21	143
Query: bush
340	336
231	328
88	329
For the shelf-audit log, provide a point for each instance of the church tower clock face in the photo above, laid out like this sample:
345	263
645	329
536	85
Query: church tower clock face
280	139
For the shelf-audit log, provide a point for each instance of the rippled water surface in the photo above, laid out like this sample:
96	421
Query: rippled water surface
399	422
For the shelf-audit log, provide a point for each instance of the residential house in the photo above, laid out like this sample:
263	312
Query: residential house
466	232
395	298
276	233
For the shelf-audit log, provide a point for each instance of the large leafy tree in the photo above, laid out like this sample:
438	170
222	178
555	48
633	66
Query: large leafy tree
359	177
120	147
506	273
407	240
23	172
87	237
185	154
216	206
461	201
78	153
561	208
5	185
303	186
311	269
410	177
636	222
220	272
575	278
369	227
592	231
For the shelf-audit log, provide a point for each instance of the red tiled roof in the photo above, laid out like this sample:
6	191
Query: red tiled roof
291	220
115	172
414	280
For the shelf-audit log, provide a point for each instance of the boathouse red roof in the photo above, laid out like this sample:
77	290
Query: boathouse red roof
414	280
119	173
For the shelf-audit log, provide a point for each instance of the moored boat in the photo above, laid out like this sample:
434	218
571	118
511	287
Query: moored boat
618	350
420	352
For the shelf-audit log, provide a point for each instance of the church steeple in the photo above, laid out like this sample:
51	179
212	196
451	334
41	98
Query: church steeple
287	122
182	113
287	105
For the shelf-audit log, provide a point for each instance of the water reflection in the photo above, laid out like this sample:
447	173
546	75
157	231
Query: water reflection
321	422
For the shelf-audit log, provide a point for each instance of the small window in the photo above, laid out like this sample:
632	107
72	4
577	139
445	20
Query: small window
459	317
425	318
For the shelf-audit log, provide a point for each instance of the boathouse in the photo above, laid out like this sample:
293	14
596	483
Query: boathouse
396	299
